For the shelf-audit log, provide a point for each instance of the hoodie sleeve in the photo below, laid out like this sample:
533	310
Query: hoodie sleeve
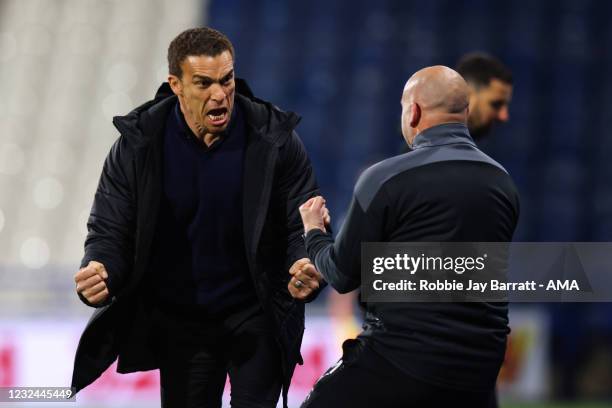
339	261
111	223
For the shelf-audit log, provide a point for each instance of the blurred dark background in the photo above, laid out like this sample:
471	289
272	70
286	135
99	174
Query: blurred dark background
342	65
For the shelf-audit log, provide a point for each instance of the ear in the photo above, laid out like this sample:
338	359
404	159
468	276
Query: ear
176	84
415	115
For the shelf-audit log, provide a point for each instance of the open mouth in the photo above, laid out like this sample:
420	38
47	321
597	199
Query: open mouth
217	116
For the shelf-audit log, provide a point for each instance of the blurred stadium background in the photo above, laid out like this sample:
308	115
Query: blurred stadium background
68	66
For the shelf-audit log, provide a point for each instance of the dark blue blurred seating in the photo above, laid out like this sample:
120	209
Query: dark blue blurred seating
342	65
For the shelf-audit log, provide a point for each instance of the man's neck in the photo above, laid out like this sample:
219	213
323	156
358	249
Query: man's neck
438	119
207	138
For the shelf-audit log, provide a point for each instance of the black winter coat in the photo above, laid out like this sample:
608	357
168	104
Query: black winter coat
278	177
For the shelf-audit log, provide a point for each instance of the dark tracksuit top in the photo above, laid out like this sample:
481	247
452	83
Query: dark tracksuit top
444	190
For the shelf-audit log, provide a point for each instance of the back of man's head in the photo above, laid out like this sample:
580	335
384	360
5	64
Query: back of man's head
479	69
433	96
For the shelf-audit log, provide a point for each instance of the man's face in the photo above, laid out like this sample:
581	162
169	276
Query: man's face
206	91
488	106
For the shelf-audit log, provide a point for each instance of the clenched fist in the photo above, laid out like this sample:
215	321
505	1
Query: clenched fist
305	279
315	214
91	282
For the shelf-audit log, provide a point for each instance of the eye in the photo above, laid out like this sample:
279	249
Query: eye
497	105
226	80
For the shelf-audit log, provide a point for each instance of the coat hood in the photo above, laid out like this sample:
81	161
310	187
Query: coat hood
263	118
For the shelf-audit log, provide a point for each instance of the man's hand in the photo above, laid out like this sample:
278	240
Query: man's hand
90	282
315	214
305	279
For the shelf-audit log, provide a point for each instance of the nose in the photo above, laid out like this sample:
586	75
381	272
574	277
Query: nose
504	114
217	93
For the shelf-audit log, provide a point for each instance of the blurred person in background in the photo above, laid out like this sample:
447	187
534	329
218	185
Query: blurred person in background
419	354
490	84
193	229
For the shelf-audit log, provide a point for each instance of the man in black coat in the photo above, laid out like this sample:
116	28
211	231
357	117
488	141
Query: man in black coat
194	235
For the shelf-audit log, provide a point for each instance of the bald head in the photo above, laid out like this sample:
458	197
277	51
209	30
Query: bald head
439	89
432	96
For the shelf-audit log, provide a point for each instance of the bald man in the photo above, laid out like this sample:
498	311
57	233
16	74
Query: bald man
445	189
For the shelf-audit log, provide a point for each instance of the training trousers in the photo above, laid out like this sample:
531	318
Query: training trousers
363	379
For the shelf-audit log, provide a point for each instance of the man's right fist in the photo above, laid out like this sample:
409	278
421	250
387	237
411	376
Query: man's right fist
90	282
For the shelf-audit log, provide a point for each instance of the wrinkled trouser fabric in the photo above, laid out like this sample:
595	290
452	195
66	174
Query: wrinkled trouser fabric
196	355
363	379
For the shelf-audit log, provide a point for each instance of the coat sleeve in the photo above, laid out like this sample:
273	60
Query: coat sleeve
297	184
111	223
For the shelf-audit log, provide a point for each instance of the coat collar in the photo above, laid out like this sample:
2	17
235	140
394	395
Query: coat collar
444	134
264	119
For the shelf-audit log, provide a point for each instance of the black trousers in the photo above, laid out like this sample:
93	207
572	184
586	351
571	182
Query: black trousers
196	354
364	379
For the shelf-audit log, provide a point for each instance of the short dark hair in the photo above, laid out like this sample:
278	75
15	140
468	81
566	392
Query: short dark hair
196	41
479	69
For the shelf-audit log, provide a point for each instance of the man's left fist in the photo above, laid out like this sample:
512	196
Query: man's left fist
305	279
